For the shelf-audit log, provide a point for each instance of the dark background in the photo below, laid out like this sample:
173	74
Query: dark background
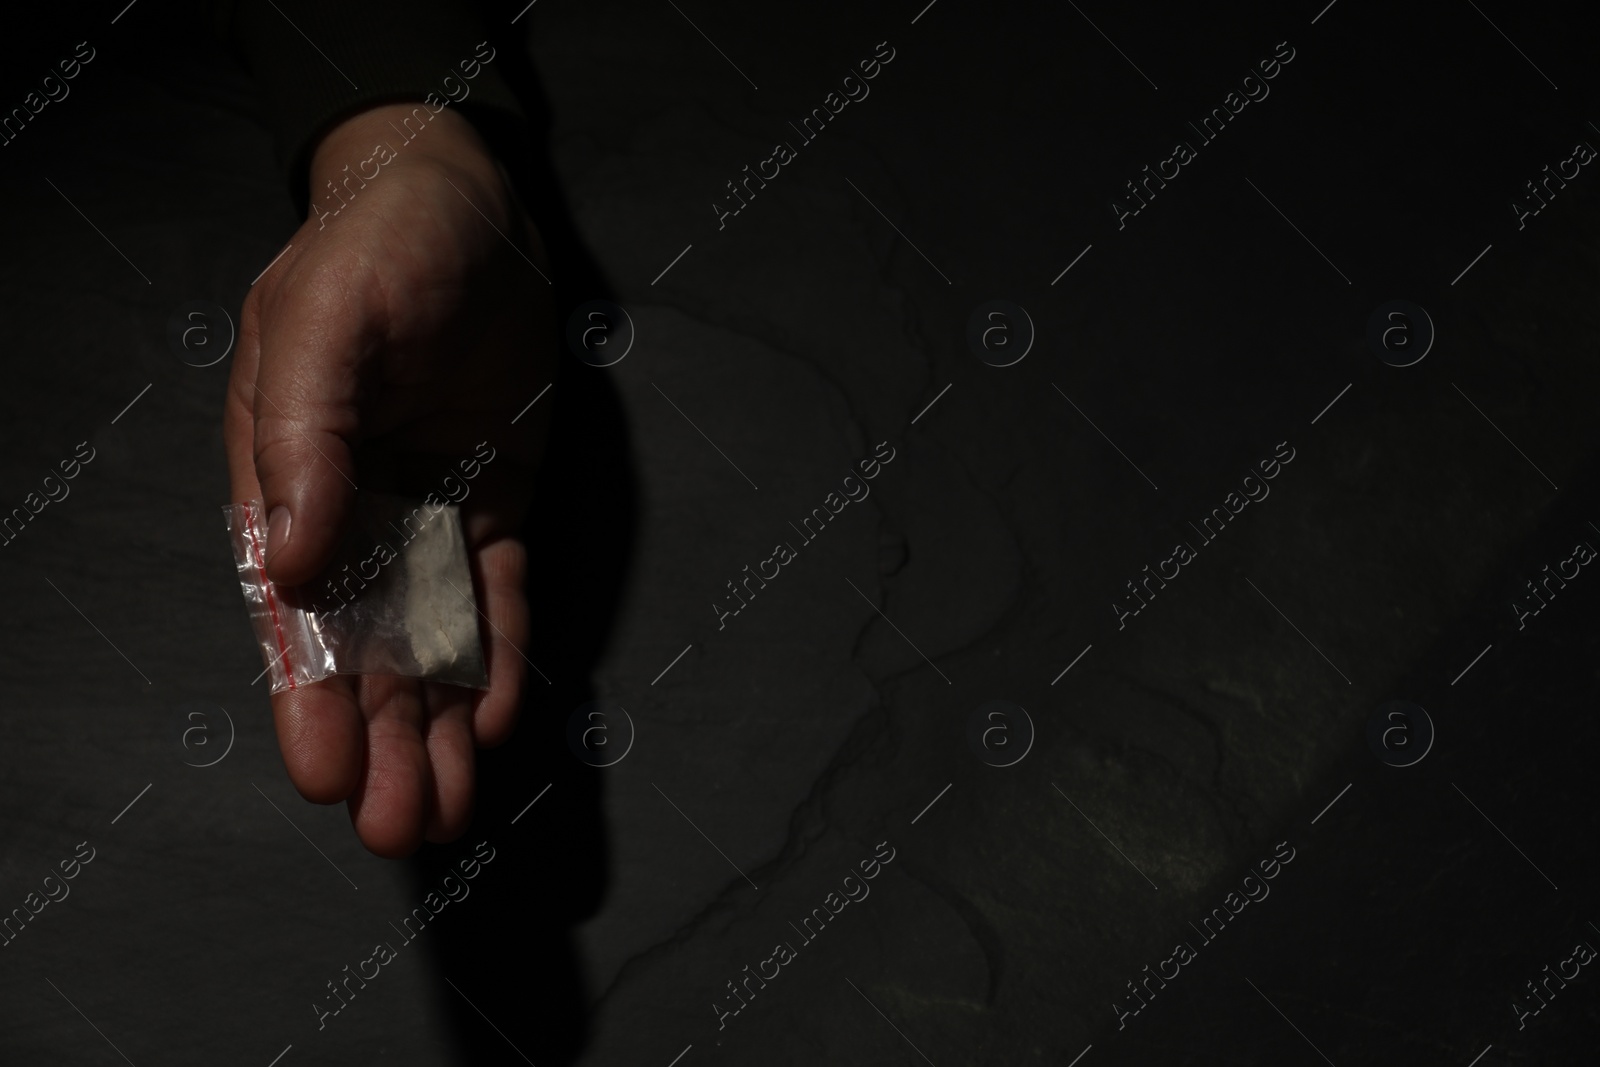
1173	756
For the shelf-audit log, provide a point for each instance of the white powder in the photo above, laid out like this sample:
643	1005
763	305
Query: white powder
440	620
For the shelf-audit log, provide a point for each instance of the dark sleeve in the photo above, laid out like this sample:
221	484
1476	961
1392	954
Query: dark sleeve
317	62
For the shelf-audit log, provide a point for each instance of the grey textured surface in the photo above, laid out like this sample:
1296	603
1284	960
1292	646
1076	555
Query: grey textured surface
783	747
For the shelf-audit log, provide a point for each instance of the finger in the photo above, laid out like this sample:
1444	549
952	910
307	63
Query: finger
322	736
314	331
450	752
499	571
389	807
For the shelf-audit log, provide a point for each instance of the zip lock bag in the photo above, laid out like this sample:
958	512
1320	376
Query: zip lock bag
397	598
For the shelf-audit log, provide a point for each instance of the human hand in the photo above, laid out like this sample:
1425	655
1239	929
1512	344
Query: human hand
379	350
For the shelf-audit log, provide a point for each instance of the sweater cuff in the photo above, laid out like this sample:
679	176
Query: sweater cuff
317	63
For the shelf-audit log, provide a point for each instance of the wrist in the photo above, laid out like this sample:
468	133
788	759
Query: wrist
398	136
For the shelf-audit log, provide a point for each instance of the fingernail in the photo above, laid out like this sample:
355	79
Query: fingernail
277	530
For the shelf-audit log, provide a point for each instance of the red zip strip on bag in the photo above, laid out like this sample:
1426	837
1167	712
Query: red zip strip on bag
266	586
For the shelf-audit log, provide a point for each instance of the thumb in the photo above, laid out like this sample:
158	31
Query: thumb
306	423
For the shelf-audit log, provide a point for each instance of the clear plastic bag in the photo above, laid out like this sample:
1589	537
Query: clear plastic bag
397	598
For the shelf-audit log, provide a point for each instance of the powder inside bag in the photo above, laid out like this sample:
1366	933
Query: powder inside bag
442	624
398	597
